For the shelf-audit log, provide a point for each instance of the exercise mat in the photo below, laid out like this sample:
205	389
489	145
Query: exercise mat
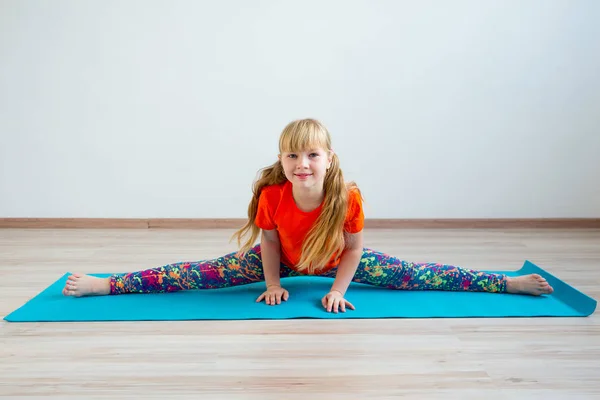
238	303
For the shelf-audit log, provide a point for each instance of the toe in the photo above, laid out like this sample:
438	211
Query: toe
545	288
542	282
70	289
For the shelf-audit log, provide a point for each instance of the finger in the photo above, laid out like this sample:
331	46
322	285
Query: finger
343	305
324	302
262	296
336	305
271	300
286	295
330	304
350	306
278	298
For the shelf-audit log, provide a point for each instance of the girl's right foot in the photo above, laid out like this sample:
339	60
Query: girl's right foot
79	285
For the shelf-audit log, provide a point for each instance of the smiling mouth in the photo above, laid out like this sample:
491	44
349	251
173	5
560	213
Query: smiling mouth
302	175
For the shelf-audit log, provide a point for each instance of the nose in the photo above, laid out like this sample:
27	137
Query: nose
302	161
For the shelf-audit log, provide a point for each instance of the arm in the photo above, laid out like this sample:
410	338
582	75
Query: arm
271	256
348	263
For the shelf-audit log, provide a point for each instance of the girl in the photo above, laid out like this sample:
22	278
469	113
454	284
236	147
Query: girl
310	222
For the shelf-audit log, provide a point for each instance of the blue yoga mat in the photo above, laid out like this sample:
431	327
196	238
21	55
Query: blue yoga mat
238	303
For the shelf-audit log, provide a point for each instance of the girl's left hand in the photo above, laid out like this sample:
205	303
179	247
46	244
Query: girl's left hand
334	300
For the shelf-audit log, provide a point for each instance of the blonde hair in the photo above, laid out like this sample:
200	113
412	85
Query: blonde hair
326	238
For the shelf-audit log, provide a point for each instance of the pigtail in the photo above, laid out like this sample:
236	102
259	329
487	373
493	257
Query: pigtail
271	175
326	238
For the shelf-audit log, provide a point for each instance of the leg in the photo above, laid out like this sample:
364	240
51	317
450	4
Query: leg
228	270
380	269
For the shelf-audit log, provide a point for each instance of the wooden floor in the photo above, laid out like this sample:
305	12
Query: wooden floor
554	358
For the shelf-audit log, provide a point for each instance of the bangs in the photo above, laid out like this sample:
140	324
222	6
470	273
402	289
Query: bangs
302	136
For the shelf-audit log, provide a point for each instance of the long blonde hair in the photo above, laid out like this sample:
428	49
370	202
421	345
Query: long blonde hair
326	238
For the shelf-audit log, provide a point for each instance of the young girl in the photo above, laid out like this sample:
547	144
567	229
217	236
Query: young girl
310	222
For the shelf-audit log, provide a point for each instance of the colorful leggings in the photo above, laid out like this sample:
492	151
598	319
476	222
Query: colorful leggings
375	268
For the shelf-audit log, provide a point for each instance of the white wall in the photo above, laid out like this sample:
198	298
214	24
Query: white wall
439	109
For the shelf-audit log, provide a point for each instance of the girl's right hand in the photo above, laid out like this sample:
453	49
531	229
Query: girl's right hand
273	295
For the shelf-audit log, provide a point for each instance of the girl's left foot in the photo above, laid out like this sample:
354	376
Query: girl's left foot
532	284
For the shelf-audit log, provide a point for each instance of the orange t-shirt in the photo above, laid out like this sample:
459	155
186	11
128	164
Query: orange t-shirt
277	209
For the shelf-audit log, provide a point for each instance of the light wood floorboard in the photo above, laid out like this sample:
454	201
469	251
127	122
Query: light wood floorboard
540	358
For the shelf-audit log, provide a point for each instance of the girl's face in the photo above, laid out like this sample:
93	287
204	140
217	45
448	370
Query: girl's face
306	169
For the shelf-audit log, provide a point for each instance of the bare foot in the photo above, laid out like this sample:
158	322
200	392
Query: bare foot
84	285
532	284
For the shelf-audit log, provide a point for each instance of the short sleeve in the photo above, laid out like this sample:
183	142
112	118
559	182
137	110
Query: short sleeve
266	209
355	219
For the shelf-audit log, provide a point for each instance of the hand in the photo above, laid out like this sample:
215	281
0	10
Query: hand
273	295
335	299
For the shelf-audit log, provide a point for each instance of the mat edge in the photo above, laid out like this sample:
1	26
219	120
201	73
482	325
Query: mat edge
16	311
590	303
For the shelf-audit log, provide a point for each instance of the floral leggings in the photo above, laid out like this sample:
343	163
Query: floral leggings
375	268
